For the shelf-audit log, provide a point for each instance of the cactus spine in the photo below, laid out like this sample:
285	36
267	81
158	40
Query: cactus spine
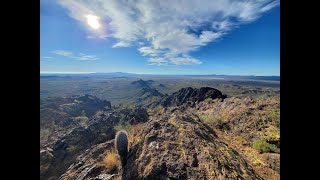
121	144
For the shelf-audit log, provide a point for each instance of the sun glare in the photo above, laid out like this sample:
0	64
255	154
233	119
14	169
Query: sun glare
93	21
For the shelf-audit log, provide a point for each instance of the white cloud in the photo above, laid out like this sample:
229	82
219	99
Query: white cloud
85	57
81	56
121	44
47	57
157	61
185	61
149	51
62	53
167	31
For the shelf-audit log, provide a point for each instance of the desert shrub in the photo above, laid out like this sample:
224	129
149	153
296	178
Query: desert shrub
274	116
208	100
111	161
208	118
264	147
153	111
82	119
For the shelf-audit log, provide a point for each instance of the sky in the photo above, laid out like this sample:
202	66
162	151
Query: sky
230	37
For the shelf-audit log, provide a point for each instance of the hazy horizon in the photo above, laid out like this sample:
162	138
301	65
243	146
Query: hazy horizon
46	72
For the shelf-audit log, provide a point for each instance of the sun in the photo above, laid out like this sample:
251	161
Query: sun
93	21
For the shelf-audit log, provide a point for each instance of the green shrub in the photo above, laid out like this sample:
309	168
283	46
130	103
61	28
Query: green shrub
122	126
83	114
264	147
274	116
208	100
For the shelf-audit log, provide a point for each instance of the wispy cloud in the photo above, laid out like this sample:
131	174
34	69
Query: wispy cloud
86	57
81	56
168	31
47	57
157	61
185	61
62	53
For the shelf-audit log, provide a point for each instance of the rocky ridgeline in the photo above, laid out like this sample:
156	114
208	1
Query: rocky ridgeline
190	96
174	143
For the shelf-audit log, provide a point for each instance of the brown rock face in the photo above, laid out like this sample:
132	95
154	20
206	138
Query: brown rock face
177	145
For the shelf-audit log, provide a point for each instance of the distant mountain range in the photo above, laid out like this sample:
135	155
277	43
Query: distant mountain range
124	74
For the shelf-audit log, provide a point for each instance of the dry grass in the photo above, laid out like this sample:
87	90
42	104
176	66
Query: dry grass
111	161
172	121
251	155
134	134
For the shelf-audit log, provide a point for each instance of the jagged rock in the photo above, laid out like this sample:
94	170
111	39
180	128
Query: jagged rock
177	145
190	96
89	165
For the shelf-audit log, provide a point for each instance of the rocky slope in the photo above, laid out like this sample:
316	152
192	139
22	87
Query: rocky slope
191	134
57	155
90	165
58	115
243	121
179	146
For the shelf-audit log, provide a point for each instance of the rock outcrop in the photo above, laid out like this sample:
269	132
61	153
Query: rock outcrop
190	96
64	151
57	156
90	164
177	145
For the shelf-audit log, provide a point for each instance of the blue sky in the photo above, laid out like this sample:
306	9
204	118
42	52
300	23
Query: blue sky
161	37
